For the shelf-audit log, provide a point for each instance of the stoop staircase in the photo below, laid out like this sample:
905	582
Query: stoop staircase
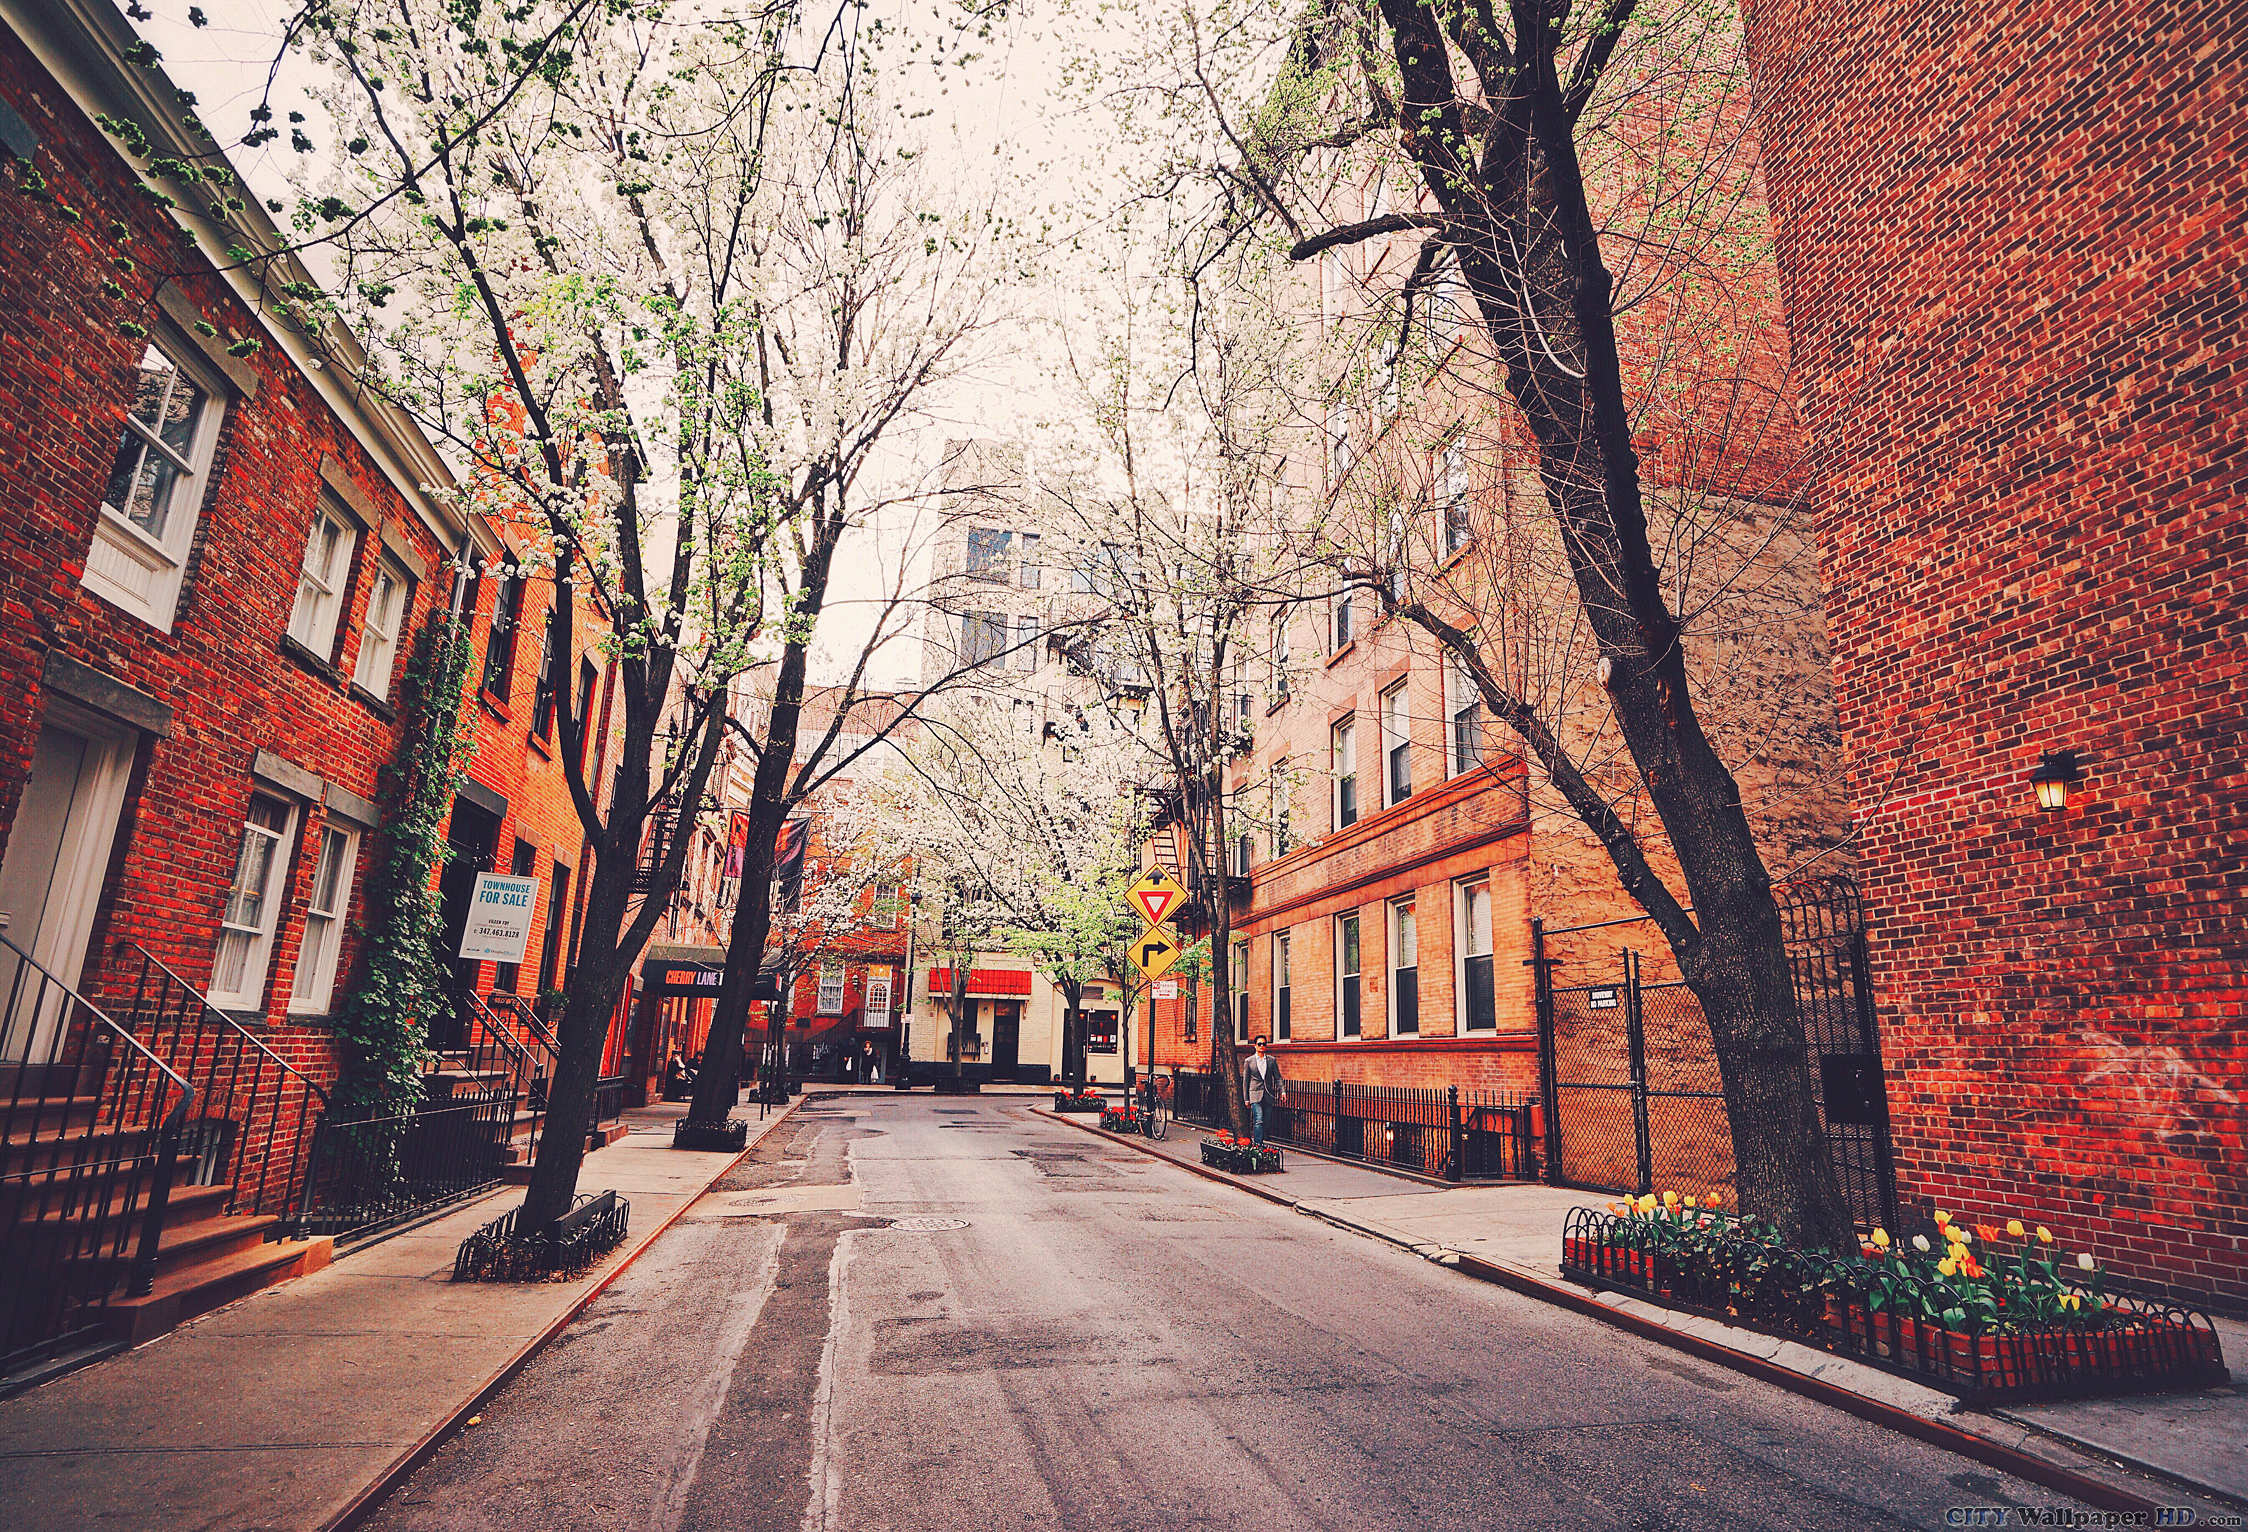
150	1159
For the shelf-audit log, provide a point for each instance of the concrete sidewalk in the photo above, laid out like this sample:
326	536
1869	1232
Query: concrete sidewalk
2197	1440
280	1410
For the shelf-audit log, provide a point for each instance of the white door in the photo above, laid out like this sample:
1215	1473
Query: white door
51	877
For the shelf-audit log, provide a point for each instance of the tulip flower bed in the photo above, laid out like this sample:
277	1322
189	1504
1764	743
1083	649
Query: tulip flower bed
1123	1118
1239	1155
1988	1312
1084	1099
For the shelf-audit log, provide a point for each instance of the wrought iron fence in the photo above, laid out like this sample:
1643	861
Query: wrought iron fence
374	1169
1450	1134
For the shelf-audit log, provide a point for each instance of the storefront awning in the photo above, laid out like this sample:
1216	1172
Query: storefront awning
983	983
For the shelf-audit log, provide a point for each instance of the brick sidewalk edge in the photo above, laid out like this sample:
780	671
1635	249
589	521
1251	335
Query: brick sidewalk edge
402	1467
1967	1444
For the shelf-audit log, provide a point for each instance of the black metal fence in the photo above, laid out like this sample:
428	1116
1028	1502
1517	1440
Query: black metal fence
1450	1134
372	1170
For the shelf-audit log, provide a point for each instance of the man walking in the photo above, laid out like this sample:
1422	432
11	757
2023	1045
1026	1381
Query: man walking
1260	1087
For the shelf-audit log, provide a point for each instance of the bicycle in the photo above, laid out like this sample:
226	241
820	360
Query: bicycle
1156	1109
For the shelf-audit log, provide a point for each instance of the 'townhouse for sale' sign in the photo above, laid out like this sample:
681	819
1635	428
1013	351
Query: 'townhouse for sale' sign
499	917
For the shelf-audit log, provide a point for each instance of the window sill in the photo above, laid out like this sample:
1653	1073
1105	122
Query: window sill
378	706
324	669
1341	654
494	704
544	749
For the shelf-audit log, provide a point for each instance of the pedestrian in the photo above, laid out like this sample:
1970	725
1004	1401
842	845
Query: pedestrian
1260	1087
870	1067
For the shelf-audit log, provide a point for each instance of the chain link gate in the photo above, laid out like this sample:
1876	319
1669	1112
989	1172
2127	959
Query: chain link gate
1632	1094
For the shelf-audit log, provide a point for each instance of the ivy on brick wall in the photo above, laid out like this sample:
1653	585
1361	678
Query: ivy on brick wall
383	1025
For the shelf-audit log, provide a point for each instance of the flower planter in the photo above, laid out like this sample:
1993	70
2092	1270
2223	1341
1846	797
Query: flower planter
1121	1119
1239	1159
1087	1101
2116	1345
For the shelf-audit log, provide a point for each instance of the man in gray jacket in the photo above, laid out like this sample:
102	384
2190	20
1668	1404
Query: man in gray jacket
1260	1087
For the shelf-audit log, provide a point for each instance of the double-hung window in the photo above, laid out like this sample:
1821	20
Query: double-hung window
155	490
983	637
388	600
253	905
1026	643
542	698
1283	1013
323	920
1029	573
987	553
1452	499
831	989
1463	744
1397	745
1478	1004
1404	971
499	648
1243	852
1349	1022
878	997
1345	767
1343	624
1280	657
324	582
1240	980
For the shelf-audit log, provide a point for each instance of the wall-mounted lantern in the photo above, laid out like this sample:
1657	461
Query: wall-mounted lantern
2053	777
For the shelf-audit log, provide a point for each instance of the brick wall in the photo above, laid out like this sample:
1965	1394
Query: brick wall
67	378
2012	251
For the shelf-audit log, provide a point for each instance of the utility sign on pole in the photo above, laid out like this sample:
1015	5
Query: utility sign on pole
1157	896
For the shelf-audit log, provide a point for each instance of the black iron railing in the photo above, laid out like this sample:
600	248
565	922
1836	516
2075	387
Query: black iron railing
538	1037
92	1124
254	1110
370	1170
1450	1134
495	1057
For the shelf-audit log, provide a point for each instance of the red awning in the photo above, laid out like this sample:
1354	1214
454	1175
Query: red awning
982	982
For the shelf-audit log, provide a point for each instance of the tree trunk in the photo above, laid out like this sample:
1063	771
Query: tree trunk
595	985
1073	1036
717	1083
1208	832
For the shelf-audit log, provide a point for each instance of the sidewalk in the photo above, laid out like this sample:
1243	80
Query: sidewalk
280	1410
1511	1234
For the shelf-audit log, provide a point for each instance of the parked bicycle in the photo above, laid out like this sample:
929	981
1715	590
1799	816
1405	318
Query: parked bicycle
1156	1108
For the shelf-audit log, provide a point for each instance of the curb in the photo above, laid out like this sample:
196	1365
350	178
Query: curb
1967	1444
363	1504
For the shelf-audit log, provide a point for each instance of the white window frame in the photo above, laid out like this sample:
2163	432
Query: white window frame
129	567
878	997
1403	914
1396	721
257	962
315	986
378	644
829	1001
1462	931
1349	930
1240	976
316	617
1026	643
1342	757
1342	624
1459	695
1452	491
1029	573
1283	987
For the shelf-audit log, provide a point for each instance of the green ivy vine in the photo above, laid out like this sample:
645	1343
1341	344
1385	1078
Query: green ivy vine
383	1024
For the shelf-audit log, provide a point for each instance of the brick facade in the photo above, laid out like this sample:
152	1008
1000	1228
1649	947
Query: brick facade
2011	245
207	695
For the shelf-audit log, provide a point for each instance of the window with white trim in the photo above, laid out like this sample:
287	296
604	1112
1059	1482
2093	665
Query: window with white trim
1349	1022
388	597
1463	741
831	989
1345	627
1239	976
324	580
1397	746
1478	1003
253	904
323	920
1283	1012
1404	970
1344	759
156	486
878	998
1029	573
1452	499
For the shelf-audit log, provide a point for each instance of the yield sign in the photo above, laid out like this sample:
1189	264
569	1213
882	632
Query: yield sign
1157	896
1153	953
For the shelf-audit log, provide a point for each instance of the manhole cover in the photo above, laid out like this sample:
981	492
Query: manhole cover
927	1225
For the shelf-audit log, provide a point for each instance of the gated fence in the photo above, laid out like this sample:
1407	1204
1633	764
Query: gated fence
1634	1100
1450	1134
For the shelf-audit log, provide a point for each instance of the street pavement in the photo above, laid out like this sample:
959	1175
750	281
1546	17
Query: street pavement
929	1313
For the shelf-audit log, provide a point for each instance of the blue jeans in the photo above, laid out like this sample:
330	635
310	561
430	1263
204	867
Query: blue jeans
1257	1119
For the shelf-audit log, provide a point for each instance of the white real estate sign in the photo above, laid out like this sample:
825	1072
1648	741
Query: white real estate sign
499	917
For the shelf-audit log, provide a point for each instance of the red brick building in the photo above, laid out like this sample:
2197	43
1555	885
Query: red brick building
2011	242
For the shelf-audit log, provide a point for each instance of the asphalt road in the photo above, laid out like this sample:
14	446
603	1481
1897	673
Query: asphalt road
921	1314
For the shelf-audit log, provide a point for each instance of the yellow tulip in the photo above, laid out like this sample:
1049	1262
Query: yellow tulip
1670	1199
1716	1201
1948	1266
2044	1235
1942	1218
1881	1239
1689	1201
1960	1235
2014	1227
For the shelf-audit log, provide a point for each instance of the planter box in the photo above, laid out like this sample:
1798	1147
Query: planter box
1094	1102
2129	1348
1240	1159
730	1136
1125	1121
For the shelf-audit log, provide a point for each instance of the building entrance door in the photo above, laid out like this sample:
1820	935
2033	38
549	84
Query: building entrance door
58	854
1006	1037
473	833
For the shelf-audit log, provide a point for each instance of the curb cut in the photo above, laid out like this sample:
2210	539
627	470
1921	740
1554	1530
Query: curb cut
363	1504
1967	1444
